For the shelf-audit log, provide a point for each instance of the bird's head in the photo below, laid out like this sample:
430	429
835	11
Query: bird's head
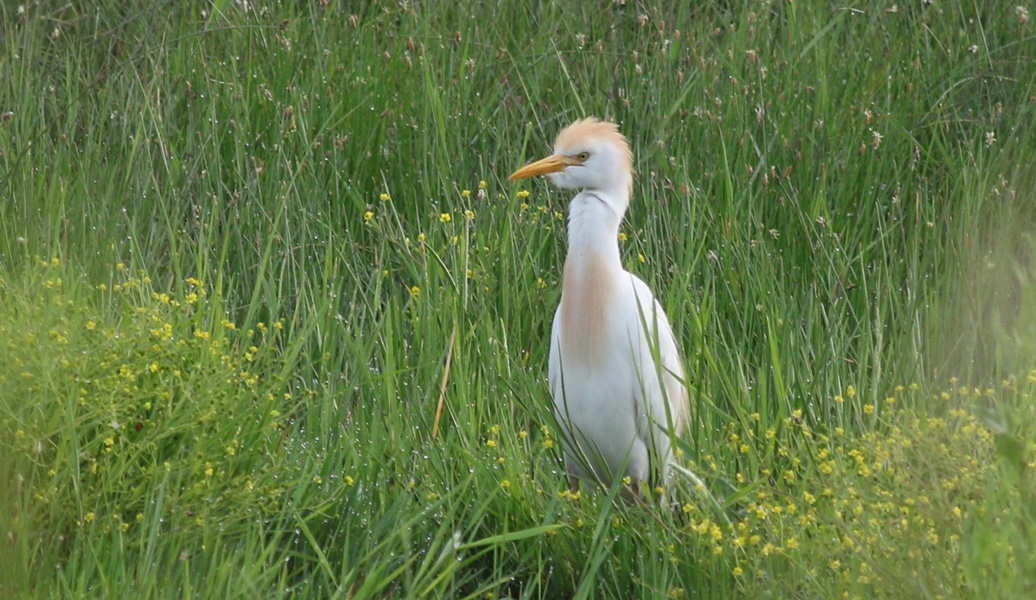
588	154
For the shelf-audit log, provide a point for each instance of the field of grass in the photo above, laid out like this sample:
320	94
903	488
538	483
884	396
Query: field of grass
274	323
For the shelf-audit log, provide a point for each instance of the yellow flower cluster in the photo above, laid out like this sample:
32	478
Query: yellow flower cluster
165	384
892	496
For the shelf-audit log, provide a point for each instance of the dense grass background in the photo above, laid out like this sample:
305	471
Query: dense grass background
272	320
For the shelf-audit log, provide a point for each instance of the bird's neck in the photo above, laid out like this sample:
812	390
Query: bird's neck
592	279
593	231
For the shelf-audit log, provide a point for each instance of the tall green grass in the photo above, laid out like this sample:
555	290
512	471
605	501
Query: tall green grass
273	321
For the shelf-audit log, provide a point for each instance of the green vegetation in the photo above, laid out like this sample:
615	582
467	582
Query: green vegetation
273	322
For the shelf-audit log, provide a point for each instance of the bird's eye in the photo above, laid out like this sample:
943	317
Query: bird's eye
582	156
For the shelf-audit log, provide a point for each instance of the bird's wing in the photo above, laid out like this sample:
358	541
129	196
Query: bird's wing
674	377
667	398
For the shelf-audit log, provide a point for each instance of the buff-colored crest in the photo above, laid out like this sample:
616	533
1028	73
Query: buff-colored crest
584	132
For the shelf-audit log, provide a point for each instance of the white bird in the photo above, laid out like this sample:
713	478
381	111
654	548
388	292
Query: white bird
615	372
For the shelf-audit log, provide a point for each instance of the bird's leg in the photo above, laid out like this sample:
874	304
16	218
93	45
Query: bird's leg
573	484
681	517
632	493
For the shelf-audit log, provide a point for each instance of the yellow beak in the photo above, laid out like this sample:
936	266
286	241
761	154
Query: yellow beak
551	164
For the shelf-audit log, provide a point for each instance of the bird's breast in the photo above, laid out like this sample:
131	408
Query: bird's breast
589	290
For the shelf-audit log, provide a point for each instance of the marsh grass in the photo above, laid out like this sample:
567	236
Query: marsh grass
273	322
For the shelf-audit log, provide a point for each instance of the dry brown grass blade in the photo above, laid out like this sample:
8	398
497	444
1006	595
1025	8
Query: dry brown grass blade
442	386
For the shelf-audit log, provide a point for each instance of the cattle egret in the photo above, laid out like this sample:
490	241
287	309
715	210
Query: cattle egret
615	371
